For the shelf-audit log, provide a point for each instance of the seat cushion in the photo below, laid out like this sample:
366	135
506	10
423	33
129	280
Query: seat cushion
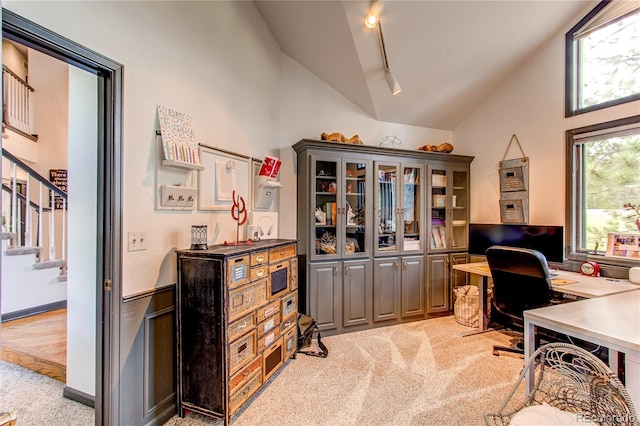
536	415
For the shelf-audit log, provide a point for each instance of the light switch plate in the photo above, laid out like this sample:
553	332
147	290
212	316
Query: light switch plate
137	240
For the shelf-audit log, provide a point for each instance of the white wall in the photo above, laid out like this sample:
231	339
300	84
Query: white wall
215	61
531	105
310	107
82	231
218	62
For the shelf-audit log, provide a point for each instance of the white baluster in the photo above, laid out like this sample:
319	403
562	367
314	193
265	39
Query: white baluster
14	201
64	230
40	217
52	228
27	215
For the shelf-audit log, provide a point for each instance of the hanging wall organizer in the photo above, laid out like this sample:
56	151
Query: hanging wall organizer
514	187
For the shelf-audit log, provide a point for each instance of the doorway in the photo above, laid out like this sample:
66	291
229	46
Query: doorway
108	198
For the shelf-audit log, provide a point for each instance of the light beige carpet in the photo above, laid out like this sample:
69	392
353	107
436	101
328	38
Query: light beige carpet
37	400
420	373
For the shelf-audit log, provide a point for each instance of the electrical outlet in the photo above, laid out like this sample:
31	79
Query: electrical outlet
137	240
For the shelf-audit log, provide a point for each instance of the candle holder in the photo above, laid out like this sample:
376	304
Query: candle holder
199	237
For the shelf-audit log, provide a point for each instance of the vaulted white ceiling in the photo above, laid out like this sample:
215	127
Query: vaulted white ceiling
448	55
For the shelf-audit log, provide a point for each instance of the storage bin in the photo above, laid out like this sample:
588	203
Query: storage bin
465	306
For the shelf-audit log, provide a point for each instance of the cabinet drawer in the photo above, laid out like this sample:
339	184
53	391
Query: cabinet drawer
288	323
294	274
259	257
242	375
244	392
268	310
284	252
242	326
268	339
246	299
290	341
272	360
268	325
289	305
238	271
242	351
259	272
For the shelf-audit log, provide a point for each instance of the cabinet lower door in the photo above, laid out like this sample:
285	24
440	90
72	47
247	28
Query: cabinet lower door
438	289
325	295
413	286
386	289
356	292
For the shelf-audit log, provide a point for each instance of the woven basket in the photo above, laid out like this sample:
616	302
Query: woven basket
465	307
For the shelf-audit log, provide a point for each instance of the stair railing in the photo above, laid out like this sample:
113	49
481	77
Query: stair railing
16	102
22	223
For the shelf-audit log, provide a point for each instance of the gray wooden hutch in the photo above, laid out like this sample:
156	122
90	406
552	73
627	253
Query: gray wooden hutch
378	231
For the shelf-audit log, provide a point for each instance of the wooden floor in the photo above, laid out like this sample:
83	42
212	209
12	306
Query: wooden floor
38	342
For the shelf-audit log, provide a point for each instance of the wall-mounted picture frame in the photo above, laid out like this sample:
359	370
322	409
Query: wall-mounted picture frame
224	173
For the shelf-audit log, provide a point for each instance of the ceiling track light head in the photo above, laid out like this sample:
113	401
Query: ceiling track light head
371	21
373	16
392	82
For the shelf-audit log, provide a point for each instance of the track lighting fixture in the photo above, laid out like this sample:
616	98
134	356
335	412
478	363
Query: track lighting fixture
393	84
373	21
373	16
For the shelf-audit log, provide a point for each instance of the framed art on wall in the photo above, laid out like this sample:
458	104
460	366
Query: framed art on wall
225	173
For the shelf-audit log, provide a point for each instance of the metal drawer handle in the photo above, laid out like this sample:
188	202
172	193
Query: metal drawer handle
260	272
260	258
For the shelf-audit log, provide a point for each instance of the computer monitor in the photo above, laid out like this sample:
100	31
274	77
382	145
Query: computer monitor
548	240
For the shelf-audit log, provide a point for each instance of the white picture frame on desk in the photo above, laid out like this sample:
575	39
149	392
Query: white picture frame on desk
623	244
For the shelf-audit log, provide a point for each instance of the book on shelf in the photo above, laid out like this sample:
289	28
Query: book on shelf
443	236
331	211
436	238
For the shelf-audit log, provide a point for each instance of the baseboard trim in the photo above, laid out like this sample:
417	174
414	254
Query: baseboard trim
164	416
33	311
78	396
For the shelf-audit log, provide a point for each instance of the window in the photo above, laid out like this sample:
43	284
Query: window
603	58
604	160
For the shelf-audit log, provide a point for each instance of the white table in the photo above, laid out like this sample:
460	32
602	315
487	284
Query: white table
583	287
611	321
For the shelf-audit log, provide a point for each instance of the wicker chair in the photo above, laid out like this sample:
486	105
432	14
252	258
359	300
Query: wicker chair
572	380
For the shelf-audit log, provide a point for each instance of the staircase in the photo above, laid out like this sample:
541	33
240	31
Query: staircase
33	266
34	213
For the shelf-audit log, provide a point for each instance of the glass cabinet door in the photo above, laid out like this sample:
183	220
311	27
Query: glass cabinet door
438	211
354	188
325	214
412	208
386	208
449	209
459	212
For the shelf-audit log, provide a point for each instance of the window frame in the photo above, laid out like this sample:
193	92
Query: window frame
574	214
572	56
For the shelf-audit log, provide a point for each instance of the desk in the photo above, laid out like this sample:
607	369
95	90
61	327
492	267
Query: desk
583	287
612	321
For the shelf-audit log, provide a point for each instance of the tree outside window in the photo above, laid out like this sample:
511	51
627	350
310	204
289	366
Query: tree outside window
609	167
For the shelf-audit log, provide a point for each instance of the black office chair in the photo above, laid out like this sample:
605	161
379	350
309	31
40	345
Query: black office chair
521	281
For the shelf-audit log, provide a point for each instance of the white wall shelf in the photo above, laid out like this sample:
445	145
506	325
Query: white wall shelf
181	165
